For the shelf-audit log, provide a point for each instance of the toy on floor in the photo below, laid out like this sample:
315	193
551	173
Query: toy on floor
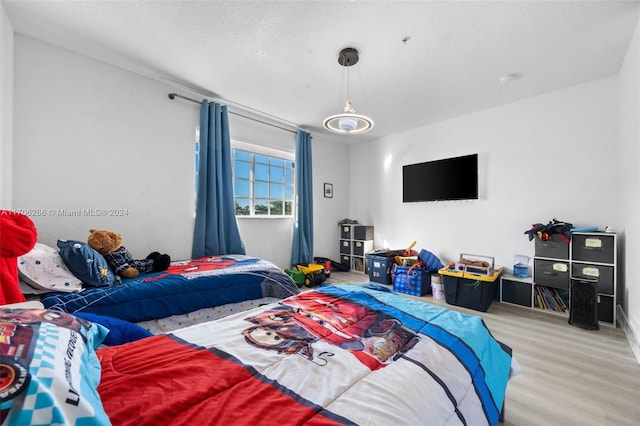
307	274
120	260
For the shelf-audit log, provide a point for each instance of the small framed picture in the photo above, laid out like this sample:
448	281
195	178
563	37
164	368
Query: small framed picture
328	190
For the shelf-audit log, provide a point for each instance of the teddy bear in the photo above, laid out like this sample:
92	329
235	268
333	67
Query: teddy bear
109	244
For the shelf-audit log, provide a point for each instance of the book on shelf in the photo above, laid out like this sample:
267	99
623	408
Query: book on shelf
546	293
357	264
539	302
542	303
551	299
560	301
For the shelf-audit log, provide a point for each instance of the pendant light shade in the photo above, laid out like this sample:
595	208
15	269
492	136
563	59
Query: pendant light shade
348	122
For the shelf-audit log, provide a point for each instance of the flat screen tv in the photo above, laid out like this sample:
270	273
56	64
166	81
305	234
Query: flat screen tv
441	180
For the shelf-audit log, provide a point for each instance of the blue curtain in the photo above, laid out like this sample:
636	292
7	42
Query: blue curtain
216	230
302	250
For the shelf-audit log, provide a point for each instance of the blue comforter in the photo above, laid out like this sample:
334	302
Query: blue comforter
337	355
185	287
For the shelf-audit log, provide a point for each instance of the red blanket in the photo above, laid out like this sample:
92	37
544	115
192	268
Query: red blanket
193	389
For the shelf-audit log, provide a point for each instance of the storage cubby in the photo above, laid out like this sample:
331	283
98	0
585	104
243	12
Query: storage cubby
559	266
551	299
594	257
355	242
517	291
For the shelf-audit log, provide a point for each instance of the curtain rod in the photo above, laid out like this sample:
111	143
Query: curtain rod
175	95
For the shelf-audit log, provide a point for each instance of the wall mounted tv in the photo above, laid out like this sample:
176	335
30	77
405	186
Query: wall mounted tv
448	179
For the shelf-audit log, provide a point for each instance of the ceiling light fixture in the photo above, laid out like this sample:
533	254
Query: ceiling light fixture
348	122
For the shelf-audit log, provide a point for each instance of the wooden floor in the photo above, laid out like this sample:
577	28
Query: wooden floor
570	376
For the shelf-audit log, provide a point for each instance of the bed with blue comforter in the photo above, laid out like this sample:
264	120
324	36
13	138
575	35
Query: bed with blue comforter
335	355
186	288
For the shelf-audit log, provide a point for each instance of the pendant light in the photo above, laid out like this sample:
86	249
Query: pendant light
348	122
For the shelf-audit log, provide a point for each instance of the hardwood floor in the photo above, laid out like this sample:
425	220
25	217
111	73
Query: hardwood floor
570	376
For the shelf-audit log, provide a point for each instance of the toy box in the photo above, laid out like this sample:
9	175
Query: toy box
379	265
416	281
468	290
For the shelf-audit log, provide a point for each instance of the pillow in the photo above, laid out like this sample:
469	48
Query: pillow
120	331
28	289
86	263
44	269
52	371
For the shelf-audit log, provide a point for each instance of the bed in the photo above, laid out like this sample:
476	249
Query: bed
189	292
337	354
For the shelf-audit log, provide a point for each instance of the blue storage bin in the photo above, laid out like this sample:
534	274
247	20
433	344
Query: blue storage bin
430	260
416	283
379	264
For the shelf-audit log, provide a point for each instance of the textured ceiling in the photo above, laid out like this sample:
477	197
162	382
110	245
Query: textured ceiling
420	61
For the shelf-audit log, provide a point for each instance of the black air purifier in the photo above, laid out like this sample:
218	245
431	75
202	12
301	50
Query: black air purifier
583	310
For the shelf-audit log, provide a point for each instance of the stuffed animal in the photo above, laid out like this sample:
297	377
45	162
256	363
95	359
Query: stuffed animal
18	235
109	244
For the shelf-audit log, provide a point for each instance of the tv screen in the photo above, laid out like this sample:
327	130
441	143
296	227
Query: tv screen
448	179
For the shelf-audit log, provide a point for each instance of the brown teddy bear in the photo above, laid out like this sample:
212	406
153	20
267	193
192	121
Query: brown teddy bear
109	244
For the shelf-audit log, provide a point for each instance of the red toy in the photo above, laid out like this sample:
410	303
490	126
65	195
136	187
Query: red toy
18	235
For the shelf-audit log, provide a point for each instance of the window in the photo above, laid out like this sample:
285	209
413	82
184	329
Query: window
263	184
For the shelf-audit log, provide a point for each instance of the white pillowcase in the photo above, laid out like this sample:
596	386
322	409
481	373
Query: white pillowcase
43	268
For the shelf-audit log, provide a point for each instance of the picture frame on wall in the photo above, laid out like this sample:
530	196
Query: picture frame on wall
328	190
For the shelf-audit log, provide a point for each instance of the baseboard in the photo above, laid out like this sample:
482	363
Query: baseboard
632	335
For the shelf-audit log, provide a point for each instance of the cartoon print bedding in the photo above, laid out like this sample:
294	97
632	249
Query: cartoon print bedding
187	286
339	354
49	372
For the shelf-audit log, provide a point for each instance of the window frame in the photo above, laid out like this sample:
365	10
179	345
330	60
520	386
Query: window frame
275	155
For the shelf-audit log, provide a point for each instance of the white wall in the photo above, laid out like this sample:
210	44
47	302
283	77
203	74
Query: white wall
6	109
267	238
92	136
543	157
86	135
331	162
271	238
629	93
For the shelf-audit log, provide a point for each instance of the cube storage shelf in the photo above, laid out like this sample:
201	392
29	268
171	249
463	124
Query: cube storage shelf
594	258
559	267
355	242
524	292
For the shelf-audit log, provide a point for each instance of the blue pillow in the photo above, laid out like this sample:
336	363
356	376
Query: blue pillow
86	263
120	331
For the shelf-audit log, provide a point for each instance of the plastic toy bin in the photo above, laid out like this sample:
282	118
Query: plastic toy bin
379	265
469	290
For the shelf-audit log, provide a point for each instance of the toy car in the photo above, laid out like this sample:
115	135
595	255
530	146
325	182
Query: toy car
309	274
